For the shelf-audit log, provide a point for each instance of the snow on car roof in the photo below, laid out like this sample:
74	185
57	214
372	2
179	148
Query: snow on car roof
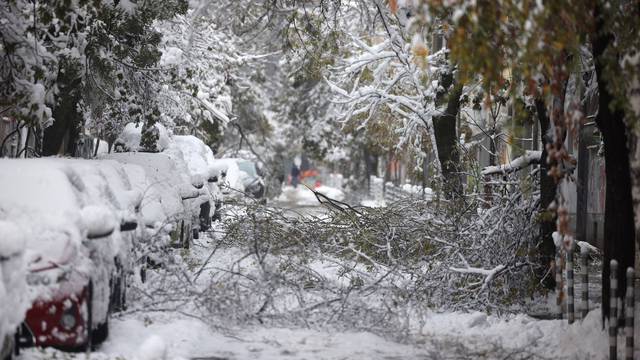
89	176
161	189
157	166
35	187
197	155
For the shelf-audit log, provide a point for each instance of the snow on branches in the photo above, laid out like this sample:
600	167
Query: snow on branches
530	157
390	75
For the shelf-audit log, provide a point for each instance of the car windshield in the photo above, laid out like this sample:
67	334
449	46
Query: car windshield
247	166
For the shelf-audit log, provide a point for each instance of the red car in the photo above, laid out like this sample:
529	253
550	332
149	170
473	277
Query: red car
75	247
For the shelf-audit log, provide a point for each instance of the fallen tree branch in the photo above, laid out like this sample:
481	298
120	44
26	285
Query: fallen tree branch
529	158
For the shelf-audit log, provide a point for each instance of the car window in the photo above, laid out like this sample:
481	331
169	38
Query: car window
247	166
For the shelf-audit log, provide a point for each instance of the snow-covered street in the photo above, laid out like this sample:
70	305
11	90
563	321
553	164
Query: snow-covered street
167	331
446	336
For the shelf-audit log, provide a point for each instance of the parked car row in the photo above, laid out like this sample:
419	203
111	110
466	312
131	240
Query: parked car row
73	231
76	247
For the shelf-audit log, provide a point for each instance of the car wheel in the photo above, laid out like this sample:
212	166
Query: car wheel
143	273
187	235
89	320
16	342
117	296
100	333
123	292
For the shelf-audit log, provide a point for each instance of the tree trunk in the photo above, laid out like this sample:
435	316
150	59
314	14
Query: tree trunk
548	188
619	231
444	127
61	137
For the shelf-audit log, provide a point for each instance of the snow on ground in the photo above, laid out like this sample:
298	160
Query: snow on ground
181	332
450	335
373	203
141	334
301	195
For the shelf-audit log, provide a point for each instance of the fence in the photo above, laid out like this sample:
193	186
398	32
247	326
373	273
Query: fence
389	192
335	181
621	313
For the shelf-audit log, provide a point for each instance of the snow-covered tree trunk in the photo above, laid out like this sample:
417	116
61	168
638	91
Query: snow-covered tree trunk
444	126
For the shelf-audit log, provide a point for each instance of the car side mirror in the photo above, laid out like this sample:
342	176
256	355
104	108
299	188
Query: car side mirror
187	193
197	181
135	199
98	221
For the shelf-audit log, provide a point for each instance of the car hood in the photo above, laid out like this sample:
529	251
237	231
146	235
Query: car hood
53	250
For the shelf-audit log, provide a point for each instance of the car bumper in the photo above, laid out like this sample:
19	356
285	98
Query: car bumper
60	320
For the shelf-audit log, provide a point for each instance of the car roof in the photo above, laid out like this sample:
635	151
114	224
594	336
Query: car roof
36	186
196	154
160	185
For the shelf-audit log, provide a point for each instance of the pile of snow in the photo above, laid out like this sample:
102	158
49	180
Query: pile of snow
301	195
153	348
521	334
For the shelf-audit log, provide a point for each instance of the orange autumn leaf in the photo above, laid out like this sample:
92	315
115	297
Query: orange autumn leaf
393	5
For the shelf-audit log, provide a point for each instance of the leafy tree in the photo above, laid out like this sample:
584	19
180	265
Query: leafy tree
527	39
62	61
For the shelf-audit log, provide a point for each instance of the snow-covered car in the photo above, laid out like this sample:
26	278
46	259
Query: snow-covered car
240	177
107	181
196	177
200	160
168	198
73	237
13	291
